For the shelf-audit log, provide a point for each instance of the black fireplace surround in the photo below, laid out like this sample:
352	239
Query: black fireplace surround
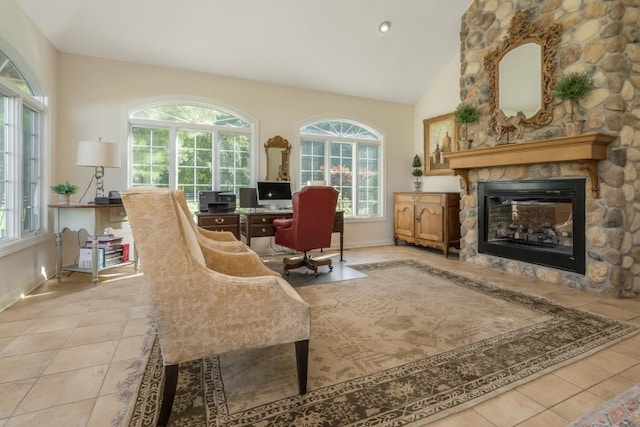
538	222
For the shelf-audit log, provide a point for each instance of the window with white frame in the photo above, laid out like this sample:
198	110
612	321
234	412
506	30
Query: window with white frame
189	147
348	156
21	118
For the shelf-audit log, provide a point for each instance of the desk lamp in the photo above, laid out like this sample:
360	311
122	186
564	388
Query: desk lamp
99	155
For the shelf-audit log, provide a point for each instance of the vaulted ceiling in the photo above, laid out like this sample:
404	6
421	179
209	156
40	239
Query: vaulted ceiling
326	45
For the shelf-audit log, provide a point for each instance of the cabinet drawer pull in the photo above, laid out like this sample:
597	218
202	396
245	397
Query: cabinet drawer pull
263	219
219	220
264	230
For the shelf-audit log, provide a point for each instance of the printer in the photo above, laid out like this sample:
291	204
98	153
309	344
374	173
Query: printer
217	201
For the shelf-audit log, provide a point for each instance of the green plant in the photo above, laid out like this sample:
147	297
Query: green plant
464	115
417	166
65	188
571	87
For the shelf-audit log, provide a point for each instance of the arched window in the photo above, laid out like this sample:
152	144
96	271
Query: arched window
191	147
21	119
348	156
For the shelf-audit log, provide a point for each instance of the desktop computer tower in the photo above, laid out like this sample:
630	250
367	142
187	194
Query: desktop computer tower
248	197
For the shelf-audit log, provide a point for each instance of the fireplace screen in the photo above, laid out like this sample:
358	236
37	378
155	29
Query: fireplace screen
540	222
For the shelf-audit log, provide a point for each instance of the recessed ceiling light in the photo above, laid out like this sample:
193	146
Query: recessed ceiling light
384	26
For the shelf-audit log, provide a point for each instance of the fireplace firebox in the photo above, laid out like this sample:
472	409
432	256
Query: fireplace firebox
538	222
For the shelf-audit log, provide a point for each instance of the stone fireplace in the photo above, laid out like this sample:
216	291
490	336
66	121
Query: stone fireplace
600	38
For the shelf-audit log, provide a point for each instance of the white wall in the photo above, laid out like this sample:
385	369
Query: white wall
24	269
442	97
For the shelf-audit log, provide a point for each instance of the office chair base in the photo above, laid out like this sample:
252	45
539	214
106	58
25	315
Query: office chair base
307	261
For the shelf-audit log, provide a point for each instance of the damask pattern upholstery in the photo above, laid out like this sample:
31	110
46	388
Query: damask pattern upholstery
200	312
235	260
222	240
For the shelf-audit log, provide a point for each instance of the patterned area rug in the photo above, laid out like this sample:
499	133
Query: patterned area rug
406	345
621	411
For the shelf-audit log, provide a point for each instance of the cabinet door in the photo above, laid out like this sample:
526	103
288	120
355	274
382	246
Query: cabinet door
403	219
429	225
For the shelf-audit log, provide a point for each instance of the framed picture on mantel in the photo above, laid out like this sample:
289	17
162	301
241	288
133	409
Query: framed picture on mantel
440	137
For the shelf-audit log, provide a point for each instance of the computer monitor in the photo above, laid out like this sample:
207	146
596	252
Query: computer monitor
274	194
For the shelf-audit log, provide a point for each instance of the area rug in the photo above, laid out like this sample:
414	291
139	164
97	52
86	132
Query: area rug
407	345
621	411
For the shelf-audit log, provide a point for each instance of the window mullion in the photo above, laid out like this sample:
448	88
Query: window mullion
215	160
173	157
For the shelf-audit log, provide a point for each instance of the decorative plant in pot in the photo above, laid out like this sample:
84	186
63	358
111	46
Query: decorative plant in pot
417	172
464	115
64	192
571	87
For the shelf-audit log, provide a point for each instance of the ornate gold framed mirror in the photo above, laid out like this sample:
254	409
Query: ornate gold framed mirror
521	72
278	152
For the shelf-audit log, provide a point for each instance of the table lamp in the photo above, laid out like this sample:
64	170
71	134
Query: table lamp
99	155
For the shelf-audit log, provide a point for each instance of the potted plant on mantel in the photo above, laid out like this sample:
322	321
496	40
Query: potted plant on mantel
464	115
64	192
571	87
417	172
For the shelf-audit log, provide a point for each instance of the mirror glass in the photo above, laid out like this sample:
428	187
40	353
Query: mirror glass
520	80
278	151
520	72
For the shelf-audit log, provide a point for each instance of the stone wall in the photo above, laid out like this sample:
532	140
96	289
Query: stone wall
603	39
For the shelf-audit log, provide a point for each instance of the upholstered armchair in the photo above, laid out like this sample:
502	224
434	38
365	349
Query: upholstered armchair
221	240
228	257
200	312
314	210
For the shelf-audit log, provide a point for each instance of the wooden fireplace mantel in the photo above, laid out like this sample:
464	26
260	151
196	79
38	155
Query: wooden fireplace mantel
586	149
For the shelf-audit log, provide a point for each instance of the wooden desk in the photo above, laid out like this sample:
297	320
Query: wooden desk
259	224
222	221
94	219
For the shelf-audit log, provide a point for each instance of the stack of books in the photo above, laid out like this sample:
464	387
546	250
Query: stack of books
111	251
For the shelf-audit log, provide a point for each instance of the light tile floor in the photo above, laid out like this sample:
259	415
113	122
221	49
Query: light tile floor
66	347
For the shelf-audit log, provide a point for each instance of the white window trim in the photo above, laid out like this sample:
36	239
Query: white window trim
253	130
382	217
25	240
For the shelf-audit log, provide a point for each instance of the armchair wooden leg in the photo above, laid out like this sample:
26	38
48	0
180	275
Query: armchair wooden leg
168	394
302	361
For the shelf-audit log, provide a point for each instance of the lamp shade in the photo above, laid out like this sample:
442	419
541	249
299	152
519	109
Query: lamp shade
98	153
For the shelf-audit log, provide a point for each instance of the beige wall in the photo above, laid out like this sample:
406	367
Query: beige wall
24	268
442	97
95	94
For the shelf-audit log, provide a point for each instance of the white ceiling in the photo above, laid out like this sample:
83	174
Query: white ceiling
326	45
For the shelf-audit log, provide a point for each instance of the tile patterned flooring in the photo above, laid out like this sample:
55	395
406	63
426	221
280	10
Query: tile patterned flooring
65	348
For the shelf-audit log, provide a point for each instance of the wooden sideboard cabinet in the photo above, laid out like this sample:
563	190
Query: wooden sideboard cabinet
427	219
222	221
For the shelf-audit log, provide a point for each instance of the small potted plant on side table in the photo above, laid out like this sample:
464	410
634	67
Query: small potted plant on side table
571	87
64	192
464	115
417	172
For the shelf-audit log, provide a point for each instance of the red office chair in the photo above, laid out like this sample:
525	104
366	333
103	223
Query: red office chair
314	209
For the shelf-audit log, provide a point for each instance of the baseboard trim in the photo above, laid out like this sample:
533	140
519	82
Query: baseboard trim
16	295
